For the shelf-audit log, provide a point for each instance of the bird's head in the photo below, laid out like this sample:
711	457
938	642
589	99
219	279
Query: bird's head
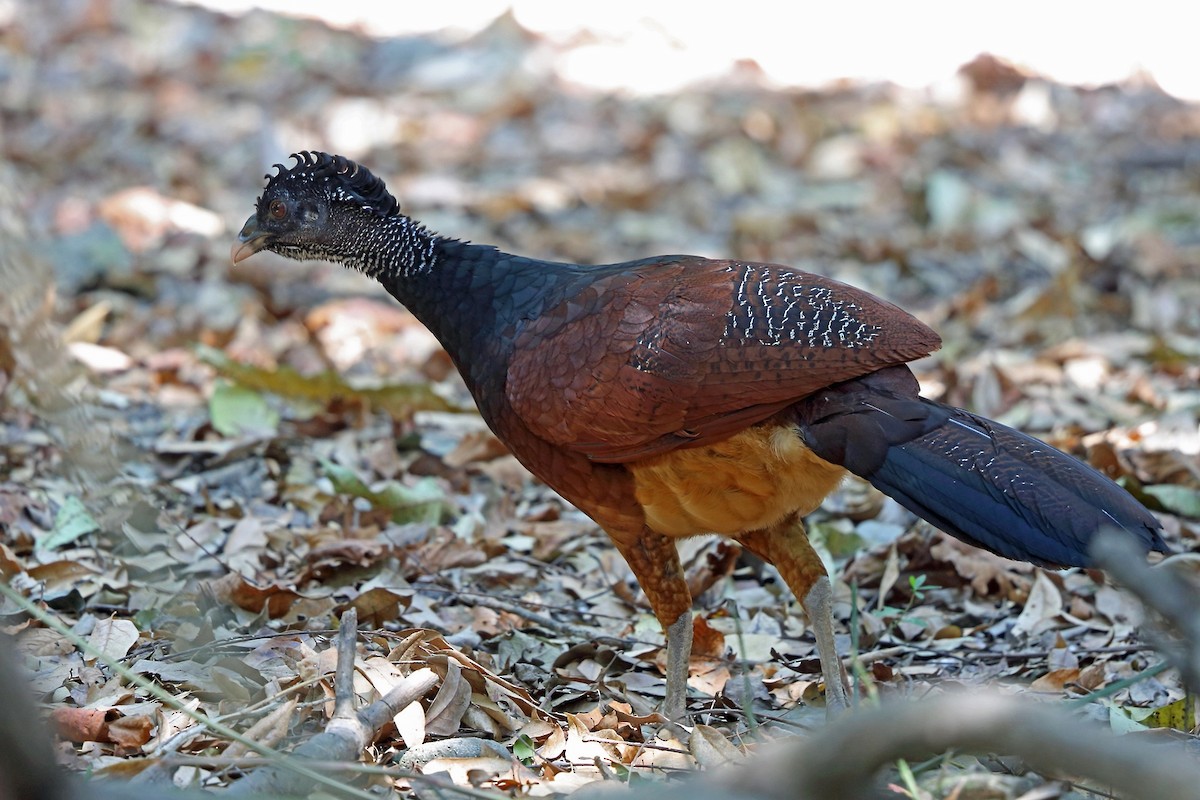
309	210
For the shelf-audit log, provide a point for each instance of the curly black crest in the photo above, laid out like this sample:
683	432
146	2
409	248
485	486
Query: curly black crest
350	180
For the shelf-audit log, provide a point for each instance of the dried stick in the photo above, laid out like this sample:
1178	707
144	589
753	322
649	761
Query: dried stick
27	765
1162	591
840	763
348	732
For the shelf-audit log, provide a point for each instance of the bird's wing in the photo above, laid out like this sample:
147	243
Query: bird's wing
677	351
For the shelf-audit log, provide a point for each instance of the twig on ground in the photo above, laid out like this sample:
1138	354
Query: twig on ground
841	762
1161	590
549	623
347	733
27	767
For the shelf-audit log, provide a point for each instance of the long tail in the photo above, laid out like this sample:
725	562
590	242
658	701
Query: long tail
973	478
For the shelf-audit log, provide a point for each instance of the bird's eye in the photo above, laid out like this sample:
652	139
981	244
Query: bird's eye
278	209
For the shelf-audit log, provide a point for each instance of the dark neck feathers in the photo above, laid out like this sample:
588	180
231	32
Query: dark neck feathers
390	249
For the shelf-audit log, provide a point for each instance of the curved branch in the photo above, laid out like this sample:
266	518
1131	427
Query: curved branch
840	762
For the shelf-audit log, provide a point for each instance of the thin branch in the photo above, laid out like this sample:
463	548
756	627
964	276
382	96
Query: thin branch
347	733
549	623
840	763
1161	590
343	677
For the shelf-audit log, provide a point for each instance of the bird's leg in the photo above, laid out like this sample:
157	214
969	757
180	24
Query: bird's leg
679	656
818	605
787	547
655	563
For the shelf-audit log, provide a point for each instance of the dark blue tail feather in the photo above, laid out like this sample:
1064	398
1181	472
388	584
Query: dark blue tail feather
973	478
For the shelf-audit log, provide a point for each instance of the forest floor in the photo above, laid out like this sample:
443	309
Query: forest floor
203	466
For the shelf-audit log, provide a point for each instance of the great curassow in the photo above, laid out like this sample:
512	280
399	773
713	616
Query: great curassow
679	395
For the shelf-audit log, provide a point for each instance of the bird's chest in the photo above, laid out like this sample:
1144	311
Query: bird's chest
746	482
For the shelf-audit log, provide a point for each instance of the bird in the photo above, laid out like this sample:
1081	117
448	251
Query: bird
680	395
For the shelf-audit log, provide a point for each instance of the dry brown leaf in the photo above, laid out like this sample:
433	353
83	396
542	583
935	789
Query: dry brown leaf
131	732
80	724
327	559
1056	680
102	725
707	641
554	745
584	744
983	569
113	638
379	606
450	703
709	680
61	574
623	713
1121	608
269	731
1092	677
9	563
245	544
1042	607
711	749
381	673
717	560
475	446
172	721
410	724
506	688
237	590
891	573
143	217
673	754
470	772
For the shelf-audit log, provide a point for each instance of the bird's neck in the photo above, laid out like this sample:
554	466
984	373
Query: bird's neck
469	296
393	251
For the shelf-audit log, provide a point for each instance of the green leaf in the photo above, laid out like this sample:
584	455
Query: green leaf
345	480
400	400
423	501
71	522
238	411
523	749
1181	500
1121	720
838	538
